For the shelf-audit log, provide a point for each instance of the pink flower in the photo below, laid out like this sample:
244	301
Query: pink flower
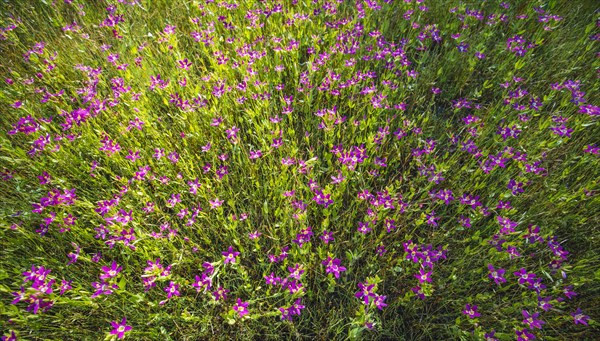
119	329
230	255
471	311
241	307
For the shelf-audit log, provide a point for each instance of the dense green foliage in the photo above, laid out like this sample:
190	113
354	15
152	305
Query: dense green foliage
435	141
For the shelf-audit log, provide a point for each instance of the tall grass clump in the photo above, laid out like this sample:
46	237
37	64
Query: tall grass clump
325	169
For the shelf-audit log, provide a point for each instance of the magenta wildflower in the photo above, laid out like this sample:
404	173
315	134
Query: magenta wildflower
11	337
215	203
322	198
380	302
110	272
119	329
172	289
272	279
490	336
327	237
254	235
297	307
333	266
569	293
365	292
524	335
184	64
544	303
579	317
418	292
423	276
44	178
65	285
230	255
103	288
296	271
255	154
220	294
241	307
531	320
471	311
496	274
524	276
304	236
232	133
286	314
363	227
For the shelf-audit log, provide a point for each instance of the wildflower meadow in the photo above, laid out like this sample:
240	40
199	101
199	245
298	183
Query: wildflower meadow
299	169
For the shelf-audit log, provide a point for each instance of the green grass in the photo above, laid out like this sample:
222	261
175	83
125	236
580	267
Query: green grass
563	200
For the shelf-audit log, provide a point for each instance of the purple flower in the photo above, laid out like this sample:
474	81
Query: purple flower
215	203
230	255
365	292
590	148
297	307
44	178
490	336
296	271
103	288
419	292
169	29
579	317
364	227
544	303
515	187
423	276
524	335
333	266
272	279
562	130
184	64
471	311
194	185
531	320
462	47
65	285
326	237
380	302
513	252
432	219
254	235
568	291
119	329
524	276
285	313
112	271
11	337
293	286
232	133
172	290
241	307
19	296
496	274
536	284
304	236
507	225
322	198
464	221
220	293
255	154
